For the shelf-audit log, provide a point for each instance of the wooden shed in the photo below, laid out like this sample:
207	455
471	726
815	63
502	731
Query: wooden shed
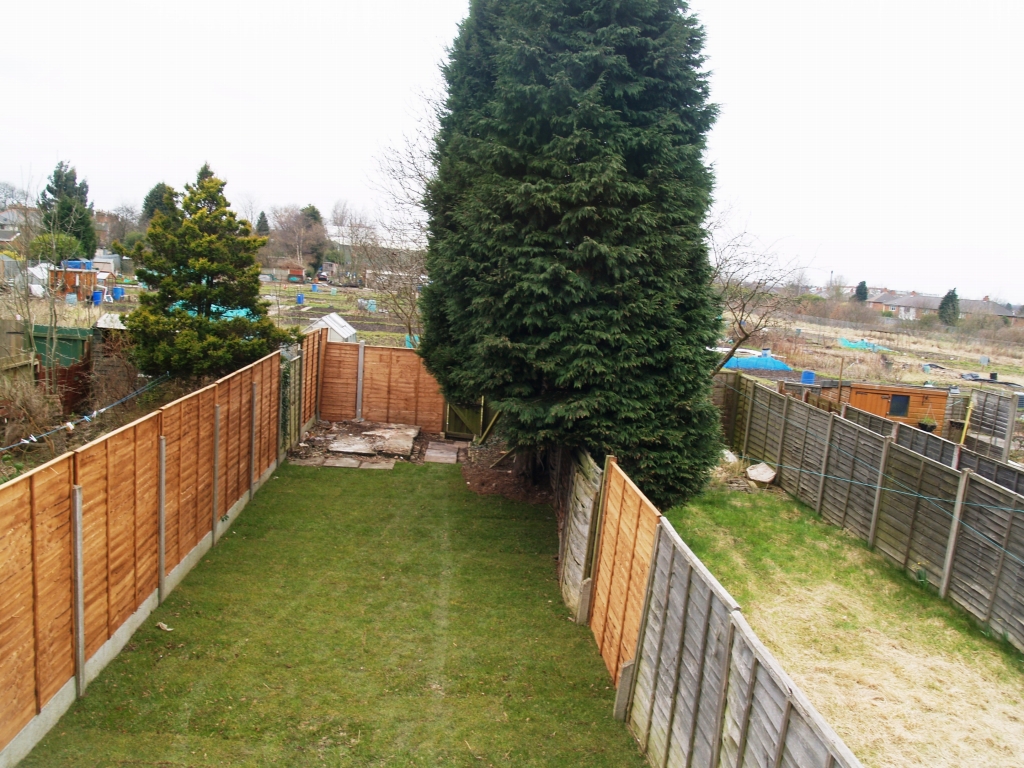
81	282
905	404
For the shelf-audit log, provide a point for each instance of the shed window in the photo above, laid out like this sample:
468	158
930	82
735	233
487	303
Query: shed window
899	405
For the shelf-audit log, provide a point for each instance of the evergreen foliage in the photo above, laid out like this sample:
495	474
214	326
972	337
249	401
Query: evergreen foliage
54	248
262	225
949	308
569	277
861	294
66	209
156	200
201	260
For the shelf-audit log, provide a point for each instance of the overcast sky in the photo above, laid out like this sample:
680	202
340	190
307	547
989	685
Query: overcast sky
878	140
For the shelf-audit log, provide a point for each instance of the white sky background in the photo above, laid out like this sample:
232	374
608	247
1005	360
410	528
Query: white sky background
881	140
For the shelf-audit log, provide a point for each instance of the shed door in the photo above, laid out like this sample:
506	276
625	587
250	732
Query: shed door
872	402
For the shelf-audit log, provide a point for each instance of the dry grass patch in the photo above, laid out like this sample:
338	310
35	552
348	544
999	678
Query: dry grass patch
904	678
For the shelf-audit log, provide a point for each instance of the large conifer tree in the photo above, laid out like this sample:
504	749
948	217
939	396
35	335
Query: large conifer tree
569	277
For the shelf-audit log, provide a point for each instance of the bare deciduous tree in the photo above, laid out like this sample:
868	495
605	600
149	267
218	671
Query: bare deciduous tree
750	283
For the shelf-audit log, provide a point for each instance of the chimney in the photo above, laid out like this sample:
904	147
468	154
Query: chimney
985	299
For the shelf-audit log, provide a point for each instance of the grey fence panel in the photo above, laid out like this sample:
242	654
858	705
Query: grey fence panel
988	564
927	444
1006	475
992	420
583	491
759	440
877	424
916	512
745	387
851	477
768	721
675	710
802	452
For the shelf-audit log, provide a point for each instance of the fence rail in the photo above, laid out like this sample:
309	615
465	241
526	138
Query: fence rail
909	494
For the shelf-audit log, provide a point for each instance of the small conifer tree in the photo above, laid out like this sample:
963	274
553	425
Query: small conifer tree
204	316
861	294
949	308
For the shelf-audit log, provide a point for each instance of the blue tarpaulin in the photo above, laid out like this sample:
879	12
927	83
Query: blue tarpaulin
757	364
867	346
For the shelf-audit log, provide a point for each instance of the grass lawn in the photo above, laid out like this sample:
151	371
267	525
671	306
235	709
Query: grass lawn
904	678
357	618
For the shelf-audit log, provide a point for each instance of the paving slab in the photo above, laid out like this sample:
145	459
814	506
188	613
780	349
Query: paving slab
315	461
346	462
442	453
394	439
364	446
389	464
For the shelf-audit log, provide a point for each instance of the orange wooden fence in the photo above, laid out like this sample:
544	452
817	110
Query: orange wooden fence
119	478
625	546
396	387
312	364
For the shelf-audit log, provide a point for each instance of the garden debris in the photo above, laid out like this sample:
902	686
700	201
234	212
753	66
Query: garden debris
445	452
761	473
164	627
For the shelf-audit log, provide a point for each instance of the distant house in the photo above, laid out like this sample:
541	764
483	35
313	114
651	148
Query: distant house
916	306
883	301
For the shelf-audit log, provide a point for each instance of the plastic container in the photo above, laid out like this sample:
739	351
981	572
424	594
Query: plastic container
70	298
300	298
118	293
313	288
97	298
807	377
371	305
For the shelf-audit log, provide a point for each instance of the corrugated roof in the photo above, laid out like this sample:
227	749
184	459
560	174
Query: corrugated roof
336	323
110	321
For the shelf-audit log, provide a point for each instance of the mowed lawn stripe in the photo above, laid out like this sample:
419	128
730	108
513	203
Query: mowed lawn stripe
359	618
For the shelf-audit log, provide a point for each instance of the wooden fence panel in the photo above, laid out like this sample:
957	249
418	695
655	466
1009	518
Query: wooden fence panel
187	455
990	430
207	401
803	450
120	527
341	369
91	473
1006	475
916	512
877	424
628	523
988	565
147	506
17	626
759	439
744	396
171	429
927	444
851	477
311	346
51	487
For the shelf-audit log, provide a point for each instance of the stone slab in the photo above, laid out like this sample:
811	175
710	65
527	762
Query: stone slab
345	462
441	457
389	464
358	444
394	439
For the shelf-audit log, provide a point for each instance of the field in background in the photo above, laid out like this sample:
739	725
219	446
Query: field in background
358	617
904	679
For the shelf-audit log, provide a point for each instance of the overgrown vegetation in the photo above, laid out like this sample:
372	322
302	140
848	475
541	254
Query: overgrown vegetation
904	678
570	282
357	617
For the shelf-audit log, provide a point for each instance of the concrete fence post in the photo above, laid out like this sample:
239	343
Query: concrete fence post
954	529
886	443
162	524
216	473
79	587
252	441
359	381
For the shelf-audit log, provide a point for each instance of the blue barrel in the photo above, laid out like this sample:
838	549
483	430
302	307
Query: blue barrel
118	293
807	377
300	299
97	298
313	287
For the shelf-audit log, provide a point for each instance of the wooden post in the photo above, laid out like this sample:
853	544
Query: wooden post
324	333
780	748
748	705
252	442
956	456
78	575
824	461
750	415
216	474
886	443
782	441
359	381
162	523
954	529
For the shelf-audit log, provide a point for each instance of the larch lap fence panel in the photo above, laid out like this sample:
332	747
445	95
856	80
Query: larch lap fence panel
927	444
803	450
36	640
877	424
851	476
312	350
628	523
990	430
1006	475
396	387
